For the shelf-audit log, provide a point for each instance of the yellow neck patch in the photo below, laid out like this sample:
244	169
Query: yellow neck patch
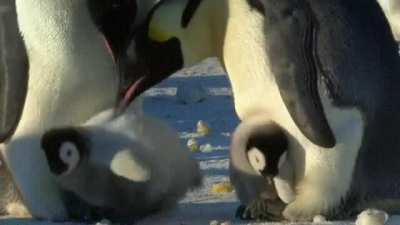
158	35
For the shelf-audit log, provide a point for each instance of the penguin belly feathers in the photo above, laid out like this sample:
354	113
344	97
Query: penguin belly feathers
130	165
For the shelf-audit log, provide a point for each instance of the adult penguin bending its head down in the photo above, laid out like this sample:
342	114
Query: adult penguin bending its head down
324	71
71	77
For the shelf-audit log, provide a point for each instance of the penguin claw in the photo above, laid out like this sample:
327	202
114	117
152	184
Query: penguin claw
256	210
298	212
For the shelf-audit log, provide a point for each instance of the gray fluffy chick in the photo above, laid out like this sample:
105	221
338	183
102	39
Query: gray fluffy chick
260	169
126	165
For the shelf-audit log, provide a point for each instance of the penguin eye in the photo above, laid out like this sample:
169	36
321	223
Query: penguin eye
69	155
257	159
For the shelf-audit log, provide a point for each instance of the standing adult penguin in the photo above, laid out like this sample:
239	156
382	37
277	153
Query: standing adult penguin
70	65
66	53
319	69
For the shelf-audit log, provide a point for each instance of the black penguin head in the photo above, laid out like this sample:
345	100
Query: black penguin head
155	60
158	43
115	19
64	149
265	150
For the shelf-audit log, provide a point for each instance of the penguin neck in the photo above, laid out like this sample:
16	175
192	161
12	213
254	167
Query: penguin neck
144	7
204	35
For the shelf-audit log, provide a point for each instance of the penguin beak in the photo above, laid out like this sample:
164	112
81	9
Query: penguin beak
153	63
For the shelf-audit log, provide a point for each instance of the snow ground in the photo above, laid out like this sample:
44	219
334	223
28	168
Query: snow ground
200	206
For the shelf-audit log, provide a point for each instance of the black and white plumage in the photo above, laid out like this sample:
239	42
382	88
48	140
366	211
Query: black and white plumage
69	64
260	169
129	165
55	54
318	69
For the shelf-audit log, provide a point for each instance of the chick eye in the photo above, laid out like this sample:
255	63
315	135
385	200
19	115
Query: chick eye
257	159
69	155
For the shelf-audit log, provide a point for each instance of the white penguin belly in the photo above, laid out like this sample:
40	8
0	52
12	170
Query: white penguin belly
71	78
322	176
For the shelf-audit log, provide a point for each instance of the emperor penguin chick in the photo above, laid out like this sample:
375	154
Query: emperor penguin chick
127	165
260	170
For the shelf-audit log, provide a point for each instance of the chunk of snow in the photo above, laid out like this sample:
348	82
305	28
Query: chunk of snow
203	128
372	217
193	145
206	148
319	219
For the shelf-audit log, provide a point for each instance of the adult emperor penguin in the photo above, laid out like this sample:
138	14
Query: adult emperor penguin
70	66
392	12
319	69
127	165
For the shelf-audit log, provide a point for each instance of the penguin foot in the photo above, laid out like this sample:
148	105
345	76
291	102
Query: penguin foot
314	198
298	212
260	210
11	203
17	209
305	207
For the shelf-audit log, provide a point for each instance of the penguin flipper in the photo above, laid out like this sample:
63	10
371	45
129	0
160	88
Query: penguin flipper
291	50
131	167
13	71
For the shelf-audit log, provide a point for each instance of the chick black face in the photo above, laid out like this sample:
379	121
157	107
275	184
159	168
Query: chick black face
64	149
265	149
